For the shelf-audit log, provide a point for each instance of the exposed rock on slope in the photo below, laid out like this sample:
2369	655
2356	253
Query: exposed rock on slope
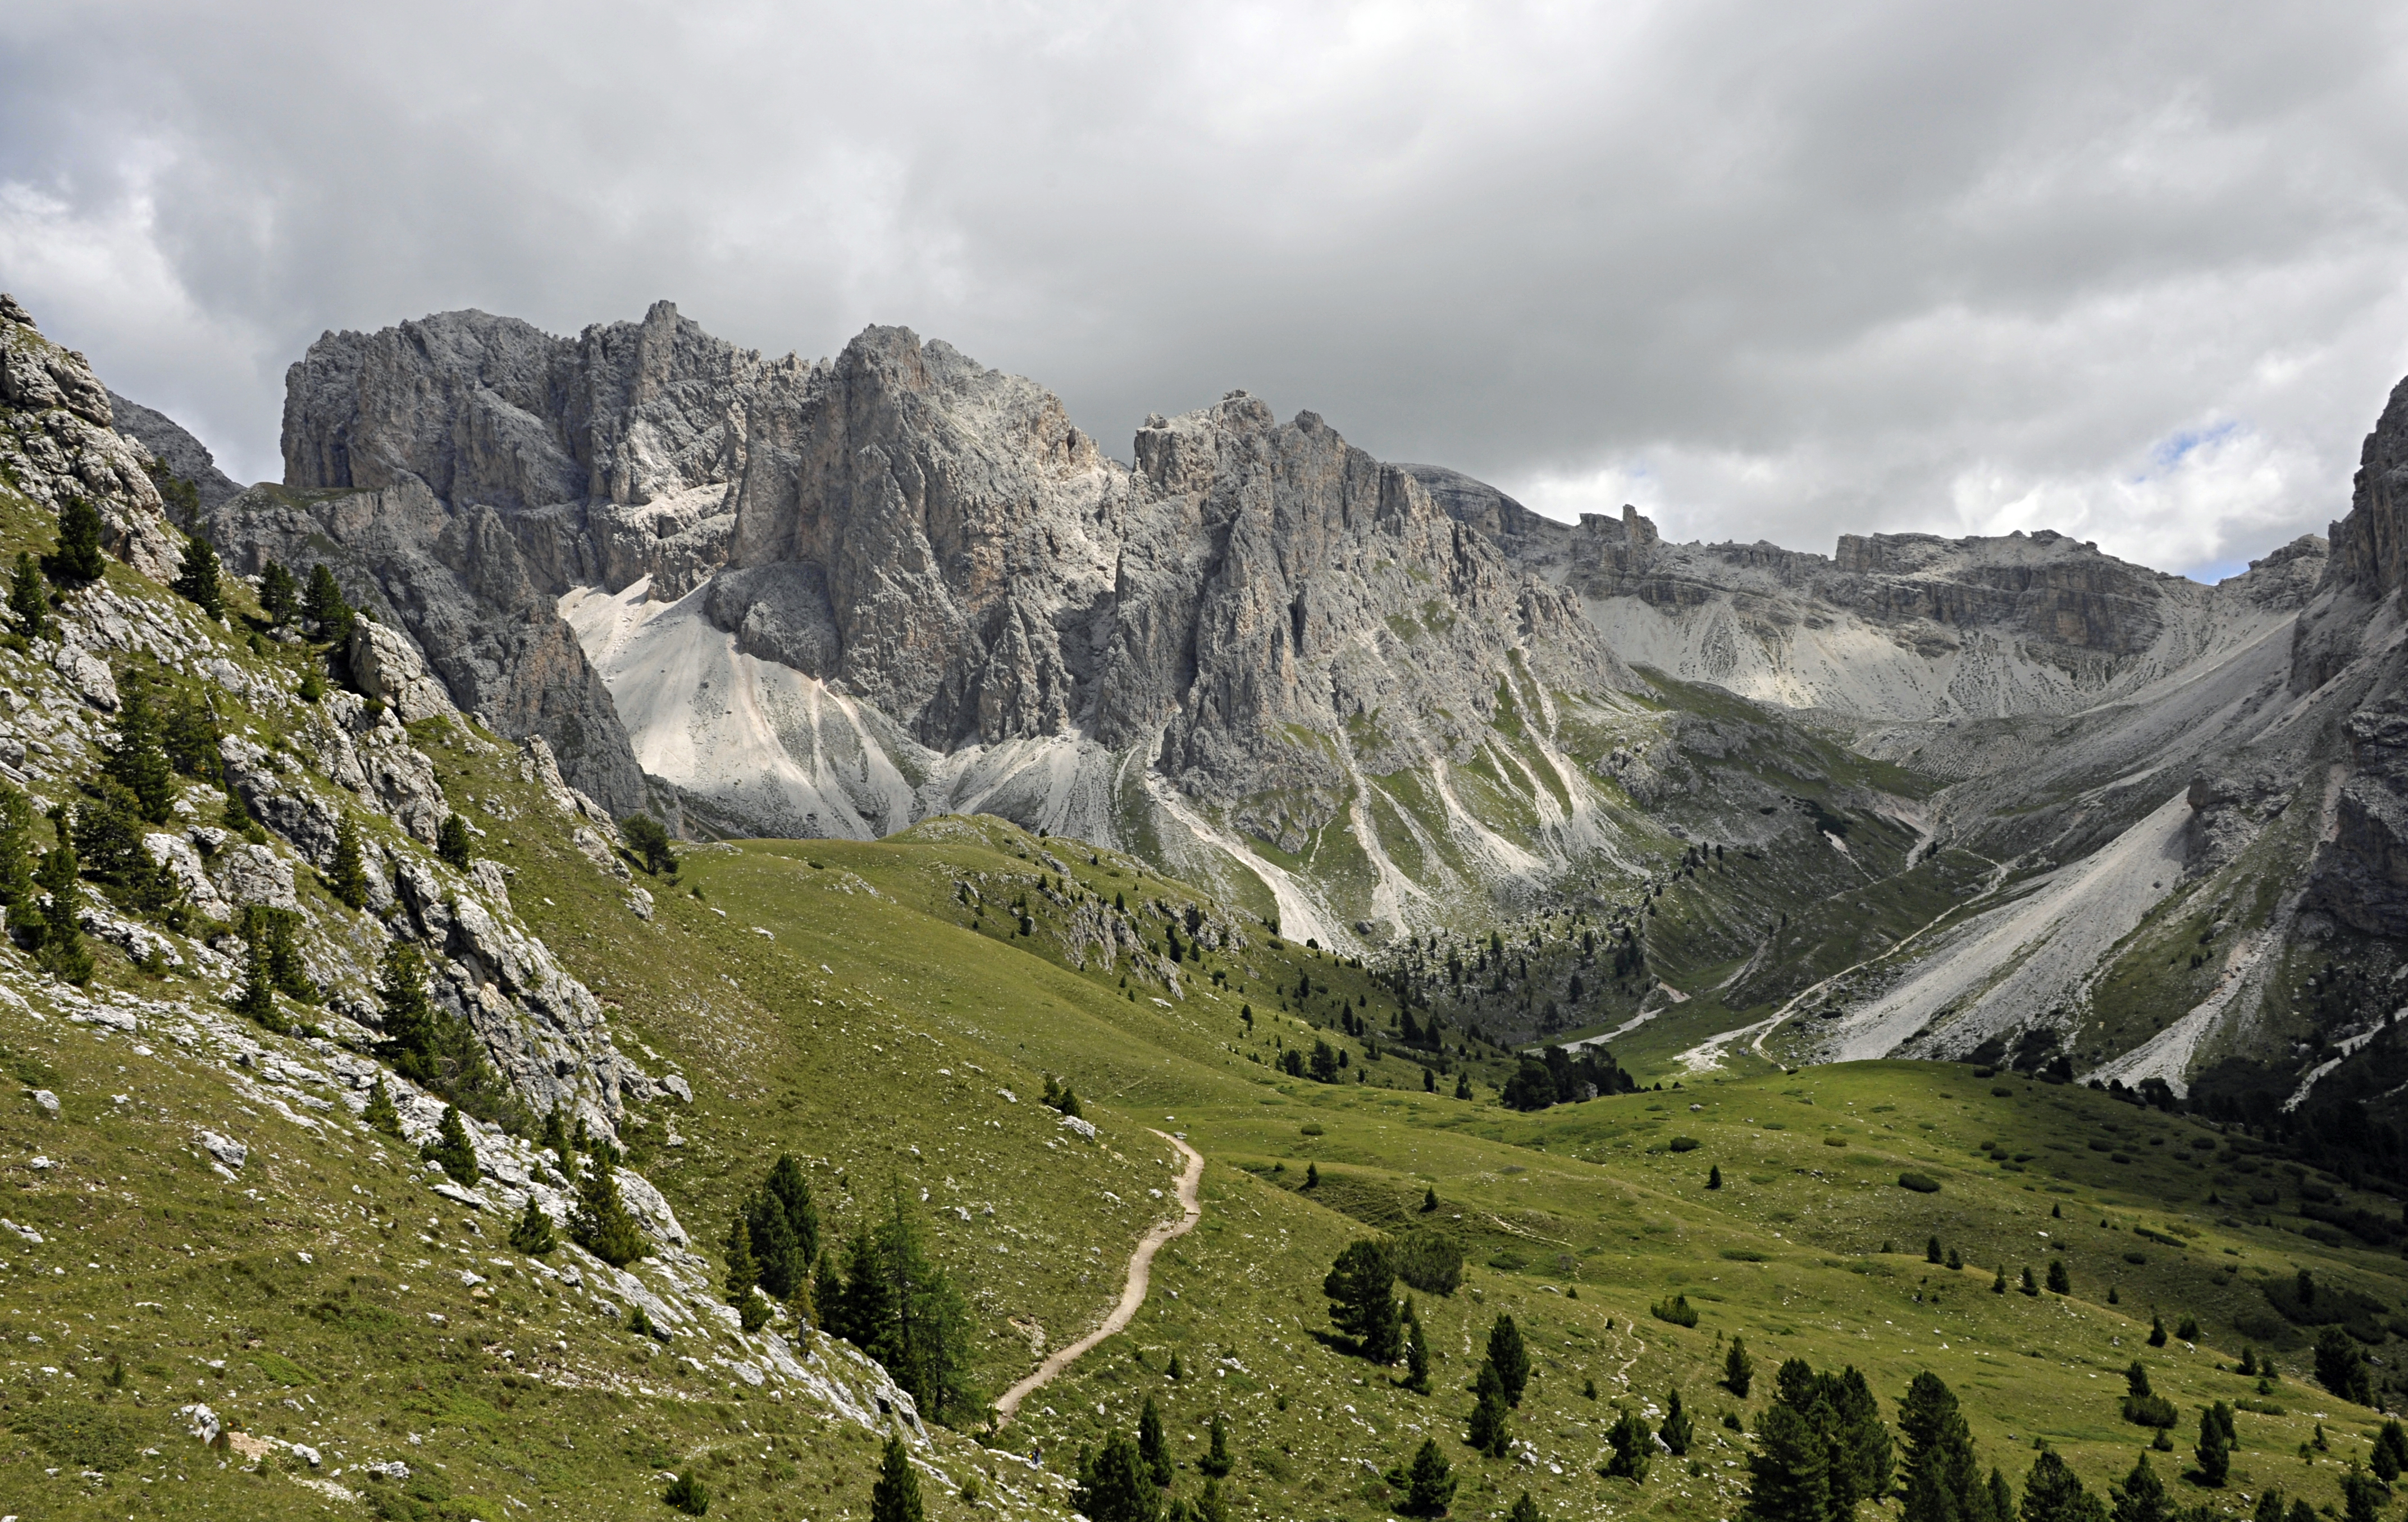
58	444
174	447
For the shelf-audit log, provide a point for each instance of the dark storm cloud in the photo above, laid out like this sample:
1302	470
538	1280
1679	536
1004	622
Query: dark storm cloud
2134	272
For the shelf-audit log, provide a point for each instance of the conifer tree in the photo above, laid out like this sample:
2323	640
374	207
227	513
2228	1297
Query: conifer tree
280	594
1463	1086
1115	1485
197	579
1488	1433
1943	1481
29	598
553	1138
452	1150
452	841
1510	1358
1358	1284
1525	1509
2215	1451
2390	1456
2054	1493
2030	1286
2157	1329
793	1192
1152	1446
1677	1430
1216	1461
1739	1370
1417	1359
743	1274
380	1112
777	1260
532	1232
2141	1497
78	559
1633	1447
2003	1498
323	605
62	953
134	756
1789	1473
1209	1504
2059	1282
255	1001
17	886
407	1020
1429	1484
348	876
1714	1176
895	1496
602	1225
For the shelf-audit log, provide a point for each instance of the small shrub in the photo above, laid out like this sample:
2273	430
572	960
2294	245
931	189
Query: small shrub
1678	1310
1684	1143
1922	1183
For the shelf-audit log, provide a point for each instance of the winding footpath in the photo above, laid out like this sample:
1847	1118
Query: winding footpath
1141	1274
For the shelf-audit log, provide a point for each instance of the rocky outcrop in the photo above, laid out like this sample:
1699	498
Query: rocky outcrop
2370	547
183	455
57	444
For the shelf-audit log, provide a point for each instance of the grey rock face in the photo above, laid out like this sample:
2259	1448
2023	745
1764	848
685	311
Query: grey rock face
56	443
173	447
387	666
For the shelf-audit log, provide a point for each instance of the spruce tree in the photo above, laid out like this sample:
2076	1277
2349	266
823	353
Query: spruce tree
17	886
452	1150
1998	1284
2003	1498
602	1225
1788	1474
1526	1510
743	1274
408	1021
1943	1481
1211	1506
1152	1446
1739	1370
2031	1286
1417	1358
452	841
1676	1431
2157	1329
1714	1176
62	953
1429	1484
2390	1456
348	876
553	1138
324	606
2363	1496
895	1496
777	1260
2054	1493
255	1001
279	596
688	1494
2141	1497
1216	1461
793	1193
29	598
1510	1358
532	1232
2059	1282
196	580
78	559
380	1112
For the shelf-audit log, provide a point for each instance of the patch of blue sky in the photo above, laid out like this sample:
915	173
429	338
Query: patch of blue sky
2172	450
2216	571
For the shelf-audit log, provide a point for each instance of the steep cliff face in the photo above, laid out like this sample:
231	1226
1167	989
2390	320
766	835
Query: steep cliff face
57	444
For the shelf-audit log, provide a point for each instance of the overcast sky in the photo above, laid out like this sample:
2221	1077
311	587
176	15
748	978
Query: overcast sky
2135	272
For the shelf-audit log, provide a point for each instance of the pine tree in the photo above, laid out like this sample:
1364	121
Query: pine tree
78	559
279	596
2003	1498
2390	1456
793	1192
2059	1282
380	1112
1152	1446
1211	1506
1429	1486
646	837
777	1258
1931	1251
1944	1483
1676	1431
452	1150
255	1001
2214	1449
1463	1086
2054	1493
743	1274
1216	1461
2157	1329
1525	1509
687	1494
553	1138
1510	1358
348	876
532	1232
1998	1284
1788	1474
2141	1497
1358	1284
323	605
602	1225
895	1496
452	841
1417	1359
17	886
2341	1367
1115	1485
62	953
29	598
2030	1286
1714	1176
196	580
1739	1370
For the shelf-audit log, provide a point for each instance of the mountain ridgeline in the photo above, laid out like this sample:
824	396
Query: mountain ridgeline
2001	797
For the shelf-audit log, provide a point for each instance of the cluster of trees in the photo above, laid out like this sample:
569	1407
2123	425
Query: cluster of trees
1366	1312
1496	1390
1821	1448
773	1244
1127	1480
1557	1076
887	1296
